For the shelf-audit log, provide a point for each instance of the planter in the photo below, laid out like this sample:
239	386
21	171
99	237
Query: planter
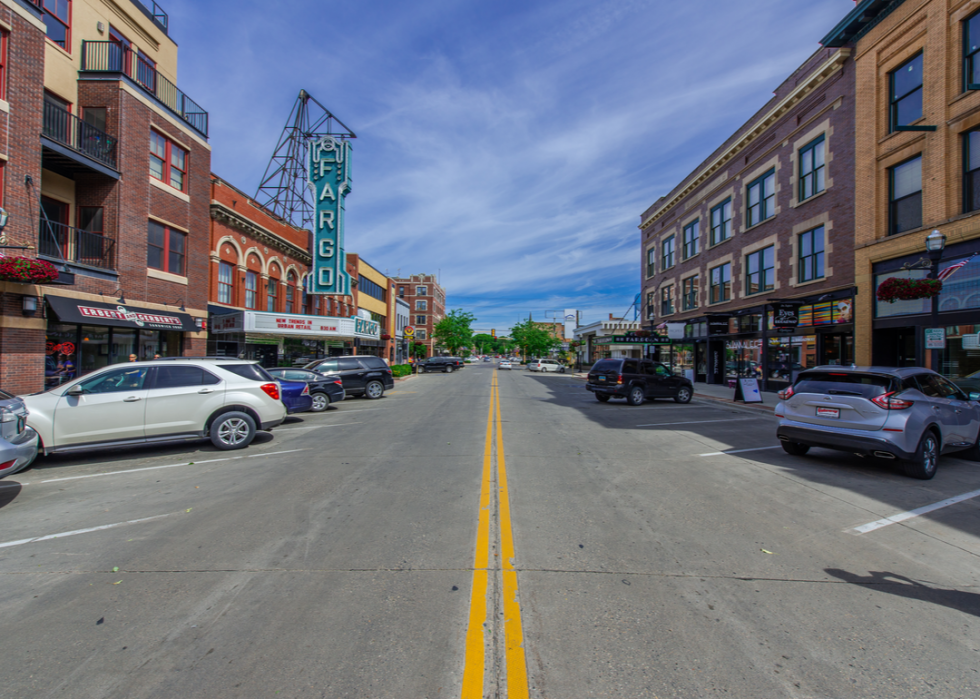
894	289
27	270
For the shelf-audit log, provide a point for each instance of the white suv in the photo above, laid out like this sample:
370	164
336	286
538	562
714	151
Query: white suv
545	365
164	400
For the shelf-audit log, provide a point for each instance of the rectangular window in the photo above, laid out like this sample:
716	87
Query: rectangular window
251	288
366	286
692	239
721	283
272	294
168	161
721	222
401	292
290	295
226	278
812	169
905	200
421	305
420	320
651	261
651	300
971	52
689	293
165	248
971	171
762	199
667	254
760	270
905	96
420	291
420	334
667	300
811	255
3	64
57	19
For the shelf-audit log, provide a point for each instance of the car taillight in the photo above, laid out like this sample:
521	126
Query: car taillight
786	393
306	390
7	464
339	382
619	379
272	389
888	403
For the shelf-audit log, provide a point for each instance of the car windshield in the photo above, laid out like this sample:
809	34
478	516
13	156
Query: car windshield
607	365
845	384
249	371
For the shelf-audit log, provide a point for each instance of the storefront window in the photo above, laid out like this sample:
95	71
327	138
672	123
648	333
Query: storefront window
961	358
788	356
94	348
743	359
60	358
885	309
683	359
123	345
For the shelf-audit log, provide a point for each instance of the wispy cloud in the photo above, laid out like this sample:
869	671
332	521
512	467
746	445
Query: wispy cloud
510	146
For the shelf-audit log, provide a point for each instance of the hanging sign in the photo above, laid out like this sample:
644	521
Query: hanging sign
328	169
785	315
935	338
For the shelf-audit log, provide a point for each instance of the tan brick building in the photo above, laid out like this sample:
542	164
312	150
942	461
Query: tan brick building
427	305
917	152
105	175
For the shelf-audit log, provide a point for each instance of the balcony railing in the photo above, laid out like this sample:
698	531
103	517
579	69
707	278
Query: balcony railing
110	57
61	242
66	128
155	12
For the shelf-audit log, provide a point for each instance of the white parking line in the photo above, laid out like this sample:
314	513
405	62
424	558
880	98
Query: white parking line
737	451
316	427
155	468
21	542
697	422
902	516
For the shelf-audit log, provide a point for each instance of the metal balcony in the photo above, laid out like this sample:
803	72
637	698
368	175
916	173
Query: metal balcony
154	12
74	143
62	243
111	57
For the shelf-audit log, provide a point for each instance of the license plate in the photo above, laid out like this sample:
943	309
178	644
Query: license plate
602	379
828	412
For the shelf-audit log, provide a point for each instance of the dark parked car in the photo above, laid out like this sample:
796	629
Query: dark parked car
296	396
445	364
636	380
324	389
362	376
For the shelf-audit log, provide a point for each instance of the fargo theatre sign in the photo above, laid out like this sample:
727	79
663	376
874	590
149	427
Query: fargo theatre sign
328	167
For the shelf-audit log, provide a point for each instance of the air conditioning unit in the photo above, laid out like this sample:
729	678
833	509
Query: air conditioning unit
971	342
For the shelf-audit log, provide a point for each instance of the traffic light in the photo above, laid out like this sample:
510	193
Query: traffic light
493	334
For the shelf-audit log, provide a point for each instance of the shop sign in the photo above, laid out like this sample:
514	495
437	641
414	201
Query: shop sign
409	331
971	341
786	315
717	325
743	344
292	325
633	340
935	338
328	169
227	323
367	328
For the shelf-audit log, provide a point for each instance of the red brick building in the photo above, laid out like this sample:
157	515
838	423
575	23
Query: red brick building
107	176
427	305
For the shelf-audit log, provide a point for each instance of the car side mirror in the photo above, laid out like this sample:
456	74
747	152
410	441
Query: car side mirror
975	396
75	390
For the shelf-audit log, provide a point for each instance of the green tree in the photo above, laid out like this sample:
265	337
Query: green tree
533	340
454	331
485	343
418	350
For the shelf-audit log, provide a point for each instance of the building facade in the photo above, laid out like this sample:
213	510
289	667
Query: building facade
917	153
751	255
373	296
105	176
427	305
608	338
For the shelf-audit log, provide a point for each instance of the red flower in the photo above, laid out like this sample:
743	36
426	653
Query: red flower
895	289
27	270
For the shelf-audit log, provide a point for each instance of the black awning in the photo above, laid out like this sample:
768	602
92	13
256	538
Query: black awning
119	315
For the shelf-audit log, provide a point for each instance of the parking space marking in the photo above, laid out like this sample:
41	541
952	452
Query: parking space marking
315	427
902	516
35	539
155	468
738	451
697	422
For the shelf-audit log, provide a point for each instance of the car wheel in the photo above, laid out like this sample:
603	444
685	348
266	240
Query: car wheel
321	401
562	370
923	464
374	390
602	397
449	369
683	395
232	431
635	396
795	448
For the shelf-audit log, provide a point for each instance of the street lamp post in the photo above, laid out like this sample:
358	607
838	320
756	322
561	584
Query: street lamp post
935	243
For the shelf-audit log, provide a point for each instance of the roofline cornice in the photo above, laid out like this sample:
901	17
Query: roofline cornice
230	217
815	80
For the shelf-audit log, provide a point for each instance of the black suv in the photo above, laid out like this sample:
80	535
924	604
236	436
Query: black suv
636	380
444	364
362	376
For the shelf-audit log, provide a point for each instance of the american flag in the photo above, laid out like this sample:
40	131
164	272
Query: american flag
948	272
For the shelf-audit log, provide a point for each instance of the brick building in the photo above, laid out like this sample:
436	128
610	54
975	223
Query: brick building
106	175
258	304
375	299
759	236
917	151
427	305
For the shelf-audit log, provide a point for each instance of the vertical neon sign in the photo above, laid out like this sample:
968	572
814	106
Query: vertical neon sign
328	168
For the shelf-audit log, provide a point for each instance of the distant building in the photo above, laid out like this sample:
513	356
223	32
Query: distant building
427	305
611	337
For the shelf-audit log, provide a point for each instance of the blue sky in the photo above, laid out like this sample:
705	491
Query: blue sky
508	146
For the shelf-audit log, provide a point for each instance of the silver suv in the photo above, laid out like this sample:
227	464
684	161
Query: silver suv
226	400
912	414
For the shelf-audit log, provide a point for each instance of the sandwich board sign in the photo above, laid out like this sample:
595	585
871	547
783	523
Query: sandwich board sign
747	391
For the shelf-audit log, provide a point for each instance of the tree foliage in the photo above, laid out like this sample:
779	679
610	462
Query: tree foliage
454	331
533	340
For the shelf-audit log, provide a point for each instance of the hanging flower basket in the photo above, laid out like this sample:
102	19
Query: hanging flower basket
894	289
27	270
386	336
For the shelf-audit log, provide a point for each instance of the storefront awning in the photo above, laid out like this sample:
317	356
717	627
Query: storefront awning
118	315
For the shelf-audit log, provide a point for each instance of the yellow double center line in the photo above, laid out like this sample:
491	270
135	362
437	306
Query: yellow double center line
479	651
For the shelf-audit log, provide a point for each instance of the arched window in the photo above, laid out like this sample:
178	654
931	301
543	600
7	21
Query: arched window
251	287
290	292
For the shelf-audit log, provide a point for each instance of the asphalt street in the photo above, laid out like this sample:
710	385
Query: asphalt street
491	533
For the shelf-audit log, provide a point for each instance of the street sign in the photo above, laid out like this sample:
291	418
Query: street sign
408	331
935	338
